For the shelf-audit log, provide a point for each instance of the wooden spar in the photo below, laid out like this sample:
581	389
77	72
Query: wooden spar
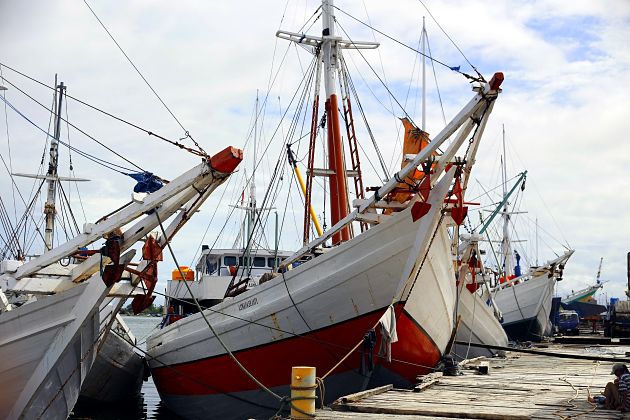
311	154
487	92
338	183
226	160
472	152
337	164
300	180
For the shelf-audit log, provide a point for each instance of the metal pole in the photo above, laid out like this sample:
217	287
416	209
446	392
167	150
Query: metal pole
424	78
537	241
51	176
276	245
506	246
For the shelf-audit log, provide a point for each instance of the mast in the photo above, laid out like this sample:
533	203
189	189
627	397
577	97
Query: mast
329	45
423	37
251	206
506	246
52	175
599	270
537	241
337	180
252	183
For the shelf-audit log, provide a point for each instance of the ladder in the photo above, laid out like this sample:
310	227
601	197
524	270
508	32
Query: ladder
352	142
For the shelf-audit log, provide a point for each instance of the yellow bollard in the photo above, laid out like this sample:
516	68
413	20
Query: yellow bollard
303	385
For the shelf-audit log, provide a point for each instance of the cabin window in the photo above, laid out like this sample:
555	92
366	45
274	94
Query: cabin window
270	262
244	261
259	261
211	265
229	260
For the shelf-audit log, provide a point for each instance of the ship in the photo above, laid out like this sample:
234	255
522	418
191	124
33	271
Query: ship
382	272
50	322
523	296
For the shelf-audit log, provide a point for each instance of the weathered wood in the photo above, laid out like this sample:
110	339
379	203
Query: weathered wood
367	393
521	386
428	381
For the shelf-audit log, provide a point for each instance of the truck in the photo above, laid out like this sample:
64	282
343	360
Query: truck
569	323
617	321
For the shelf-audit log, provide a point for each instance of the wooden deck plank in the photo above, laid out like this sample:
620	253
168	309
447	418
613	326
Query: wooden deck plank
518	387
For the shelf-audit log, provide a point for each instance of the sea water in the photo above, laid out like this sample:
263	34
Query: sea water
147	405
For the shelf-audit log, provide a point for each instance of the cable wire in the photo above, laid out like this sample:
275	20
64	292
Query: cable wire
109	165
186	132
452	68
451	39
75	127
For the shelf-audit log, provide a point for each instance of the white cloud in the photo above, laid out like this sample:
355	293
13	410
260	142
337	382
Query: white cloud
565	100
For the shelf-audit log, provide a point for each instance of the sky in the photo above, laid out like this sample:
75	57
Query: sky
565	105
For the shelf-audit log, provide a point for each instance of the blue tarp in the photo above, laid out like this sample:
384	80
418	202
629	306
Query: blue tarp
147	182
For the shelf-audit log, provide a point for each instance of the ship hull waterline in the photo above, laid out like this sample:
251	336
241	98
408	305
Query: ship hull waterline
478	326
526	308
326	307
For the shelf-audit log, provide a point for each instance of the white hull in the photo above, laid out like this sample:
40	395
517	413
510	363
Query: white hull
478	325
357	277
431	302
526	307
47	348
357	280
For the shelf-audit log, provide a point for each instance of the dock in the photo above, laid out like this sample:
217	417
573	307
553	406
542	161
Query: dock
516	387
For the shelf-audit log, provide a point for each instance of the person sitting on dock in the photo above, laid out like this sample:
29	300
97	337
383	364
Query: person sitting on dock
617	393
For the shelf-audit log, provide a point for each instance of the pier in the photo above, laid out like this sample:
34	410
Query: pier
516	387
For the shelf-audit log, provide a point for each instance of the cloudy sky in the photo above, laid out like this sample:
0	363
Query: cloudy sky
565	104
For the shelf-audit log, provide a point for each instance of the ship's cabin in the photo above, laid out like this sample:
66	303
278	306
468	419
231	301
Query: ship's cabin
218	270
228	262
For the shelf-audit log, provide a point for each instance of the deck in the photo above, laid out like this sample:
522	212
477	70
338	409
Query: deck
520	386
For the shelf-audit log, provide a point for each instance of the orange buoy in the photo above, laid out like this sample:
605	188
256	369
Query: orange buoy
189	275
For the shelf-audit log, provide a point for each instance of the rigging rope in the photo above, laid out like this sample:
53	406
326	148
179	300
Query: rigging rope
24	216
186	132
391	94
452	68
283	400
453	42
364	118
437	86
102	162
97	109
75	127
6	121
250	132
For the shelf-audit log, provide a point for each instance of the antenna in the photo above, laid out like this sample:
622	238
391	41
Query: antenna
423	37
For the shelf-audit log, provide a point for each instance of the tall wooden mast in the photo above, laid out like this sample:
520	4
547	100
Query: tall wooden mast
329	46
52	176
336	162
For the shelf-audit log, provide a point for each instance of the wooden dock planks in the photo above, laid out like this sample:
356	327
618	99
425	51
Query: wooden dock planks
519	387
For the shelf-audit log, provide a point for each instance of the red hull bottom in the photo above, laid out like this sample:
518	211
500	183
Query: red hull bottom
216	387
